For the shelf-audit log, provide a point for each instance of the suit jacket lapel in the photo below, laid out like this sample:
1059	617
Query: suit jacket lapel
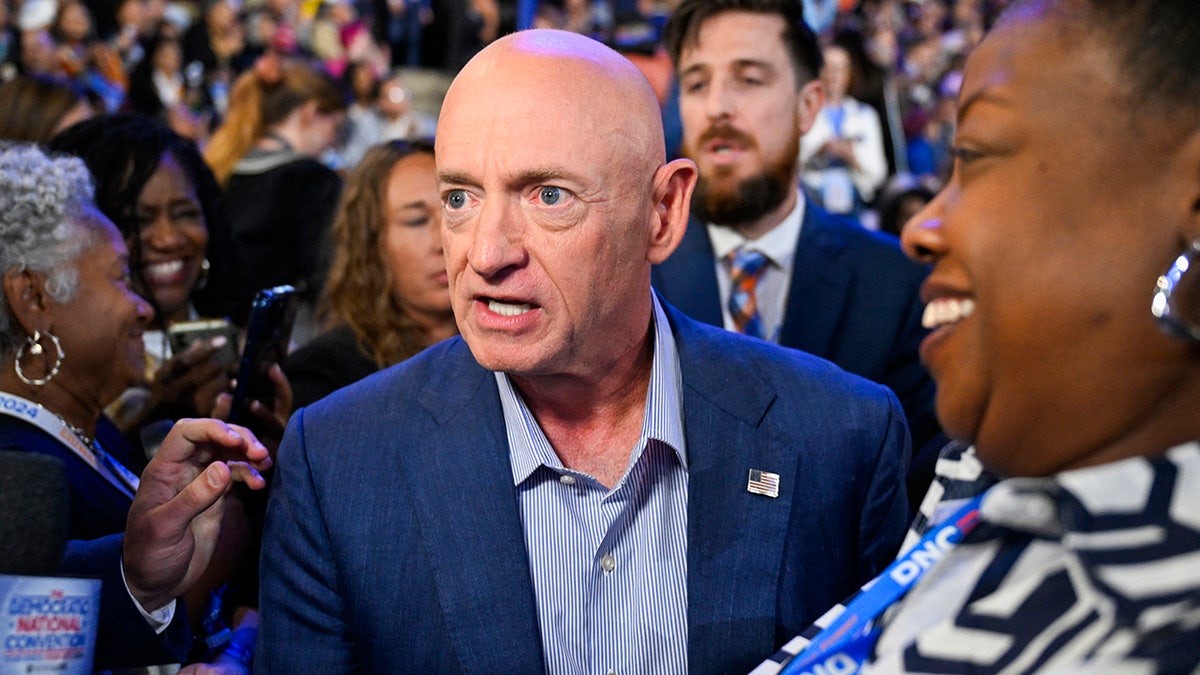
816	298
471	524
735	538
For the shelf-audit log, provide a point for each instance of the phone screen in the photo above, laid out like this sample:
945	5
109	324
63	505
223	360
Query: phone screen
183	334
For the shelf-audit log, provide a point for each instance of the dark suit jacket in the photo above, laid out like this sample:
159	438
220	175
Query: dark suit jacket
124	638
98	512
394	543
854	299
327	363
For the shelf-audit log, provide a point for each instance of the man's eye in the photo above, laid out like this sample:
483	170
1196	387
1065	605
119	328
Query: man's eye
550	195
456	199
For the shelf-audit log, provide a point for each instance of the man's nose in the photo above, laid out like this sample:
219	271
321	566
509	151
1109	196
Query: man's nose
718	101
498	242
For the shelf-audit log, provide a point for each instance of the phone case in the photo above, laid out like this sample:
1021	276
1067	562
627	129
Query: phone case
267	334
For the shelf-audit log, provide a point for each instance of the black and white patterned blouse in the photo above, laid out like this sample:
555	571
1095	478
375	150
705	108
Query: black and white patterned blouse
1094	570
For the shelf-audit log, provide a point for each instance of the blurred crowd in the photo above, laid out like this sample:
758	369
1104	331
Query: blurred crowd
162	161
881	148
237	145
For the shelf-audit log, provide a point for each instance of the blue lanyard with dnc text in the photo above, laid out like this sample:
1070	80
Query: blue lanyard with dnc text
846	643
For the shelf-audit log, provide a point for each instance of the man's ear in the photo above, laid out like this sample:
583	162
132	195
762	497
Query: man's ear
673	186
25	295
809	103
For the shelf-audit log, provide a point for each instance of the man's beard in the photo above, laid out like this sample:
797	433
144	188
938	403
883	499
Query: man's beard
746	201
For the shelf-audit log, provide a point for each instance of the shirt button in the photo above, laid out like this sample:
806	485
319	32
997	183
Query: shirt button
608	562
612	672
566	480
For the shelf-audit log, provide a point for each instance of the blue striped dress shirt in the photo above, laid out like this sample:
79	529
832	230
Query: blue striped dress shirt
609	567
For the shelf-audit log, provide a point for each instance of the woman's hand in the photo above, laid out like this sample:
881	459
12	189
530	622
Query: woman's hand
187	384
269	423
840	148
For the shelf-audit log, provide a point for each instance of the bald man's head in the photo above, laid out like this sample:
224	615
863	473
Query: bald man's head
537	73
557	202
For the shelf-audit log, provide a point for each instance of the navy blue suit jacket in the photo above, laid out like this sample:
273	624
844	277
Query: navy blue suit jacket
394	543
854	299
124	638
98	512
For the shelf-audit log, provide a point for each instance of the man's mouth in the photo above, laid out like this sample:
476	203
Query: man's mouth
724	140
946	311
723	147
508	308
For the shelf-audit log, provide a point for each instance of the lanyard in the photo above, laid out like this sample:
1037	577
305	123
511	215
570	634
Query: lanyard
113	471
846	643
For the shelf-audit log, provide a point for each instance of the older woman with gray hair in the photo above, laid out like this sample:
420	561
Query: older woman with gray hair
71	341
70	333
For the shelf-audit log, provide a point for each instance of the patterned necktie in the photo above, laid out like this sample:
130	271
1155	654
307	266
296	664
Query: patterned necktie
745	269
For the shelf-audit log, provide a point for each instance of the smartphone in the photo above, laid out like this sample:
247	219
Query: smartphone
267	333
182	334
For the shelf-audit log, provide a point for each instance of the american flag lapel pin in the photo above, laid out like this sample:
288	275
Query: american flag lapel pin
763	483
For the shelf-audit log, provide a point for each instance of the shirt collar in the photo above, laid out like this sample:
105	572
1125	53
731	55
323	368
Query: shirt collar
778	243
662	419
1081	502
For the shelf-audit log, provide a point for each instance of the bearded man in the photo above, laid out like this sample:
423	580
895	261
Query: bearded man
757	257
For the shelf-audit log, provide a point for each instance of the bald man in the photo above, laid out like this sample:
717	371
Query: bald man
585	481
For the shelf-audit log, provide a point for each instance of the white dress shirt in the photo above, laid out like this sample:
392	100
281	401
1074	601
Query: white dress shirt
609	567
779	246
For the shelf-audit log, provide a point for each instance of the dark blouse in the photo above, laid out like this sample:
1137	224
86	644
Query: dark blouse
96	507
329	362
279	207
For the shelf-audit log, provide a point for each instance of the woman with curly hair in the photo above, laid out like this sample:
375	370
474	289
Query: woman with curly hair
70	333
387	297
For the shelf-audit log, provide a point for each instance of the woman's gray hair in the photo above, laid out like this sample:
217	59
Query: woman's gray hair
42	203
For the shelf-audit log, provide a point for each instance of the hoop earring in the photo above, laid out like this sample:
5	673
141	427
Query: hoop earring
34	344
1164	306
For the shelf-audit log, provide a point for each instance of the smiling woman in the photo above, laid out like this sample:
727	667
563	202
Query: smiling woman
155	186
1073	209
71	328
70	333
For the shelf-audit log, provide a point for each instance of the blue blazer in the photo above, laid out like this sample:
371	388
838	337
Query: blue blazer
97	518
394	544
854	299
124	638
